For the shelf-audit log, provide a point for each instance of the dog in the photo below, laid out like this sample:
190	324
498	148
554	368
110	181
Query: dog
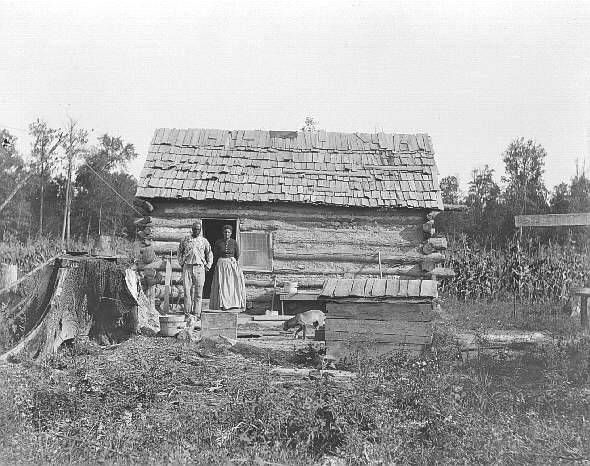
302	320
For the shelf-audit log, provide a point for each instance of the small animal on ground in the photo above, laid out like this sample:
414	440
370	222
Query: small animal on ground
300	321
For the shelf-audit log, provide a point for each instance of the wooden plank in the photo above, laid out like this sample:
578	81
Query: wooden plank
167	280
408	258
397	300
329	287
392	287
265	318
343	287
414	287
379	287
409	312
358	287
428	288
552	220
370	338
177	209
403	288
300	297
378	327
369	286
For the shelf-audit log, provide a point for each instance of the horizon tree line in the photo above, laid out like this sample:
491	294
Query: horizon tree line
54	190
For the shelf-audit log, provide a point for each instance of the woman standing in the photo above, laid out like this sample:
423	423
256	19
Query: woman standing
228	289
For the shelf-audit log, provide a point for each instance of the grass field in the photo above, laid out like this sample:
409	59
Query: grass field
159	400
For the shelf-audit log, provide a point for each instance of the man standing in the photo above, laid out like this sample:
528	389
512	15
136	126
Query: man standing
195	258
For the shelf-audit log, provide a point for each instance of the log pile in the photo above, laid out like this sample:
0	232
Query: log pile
434	246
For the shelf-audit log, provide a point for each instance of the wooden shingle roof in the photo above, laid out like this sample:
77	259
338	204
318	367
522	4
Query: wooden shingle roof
378	288
344	169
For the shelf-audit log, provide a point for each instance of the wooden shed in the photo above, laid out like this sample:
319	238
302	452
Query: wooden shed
306	206
377	315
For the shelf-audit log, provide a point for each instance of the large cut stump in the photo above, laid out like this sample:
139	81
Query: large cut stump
88	297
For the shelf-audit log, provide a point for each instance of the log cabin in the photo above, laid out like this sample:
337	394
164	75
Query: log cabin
305	205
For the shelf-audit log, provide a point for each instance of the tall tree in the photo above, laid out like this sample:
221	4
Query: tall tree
580	192
482	189
310	124
13	176
560	199
525	165
73	143
45	141
487	216
98	179
449	186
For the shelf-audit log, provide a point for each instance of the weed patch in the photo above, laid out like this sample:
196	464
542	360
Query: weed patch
158	400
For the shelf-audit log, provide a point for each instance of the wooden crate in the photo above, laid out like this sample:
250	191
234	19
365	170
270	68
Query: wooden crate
377	328
378	321
215	324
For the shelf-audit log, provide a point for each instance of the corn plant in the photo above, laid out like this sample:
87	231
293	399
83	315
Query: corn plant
525	269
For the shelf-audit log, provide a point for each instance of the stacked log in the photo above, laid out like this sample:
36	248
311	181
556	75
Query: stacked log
434	246
145	254
309	244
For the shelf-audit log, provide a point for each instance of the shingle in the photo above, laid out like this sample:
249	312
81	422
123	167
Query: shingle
329	168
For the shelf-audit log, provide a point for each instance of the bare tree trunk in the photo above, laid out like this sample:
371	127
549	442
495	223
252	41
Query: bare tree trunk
99	219
42	195
88	228
65	233
67	204
68	229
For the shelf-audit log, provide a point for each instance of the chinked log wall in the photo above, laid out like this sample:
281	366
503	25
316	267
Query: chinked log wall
310	243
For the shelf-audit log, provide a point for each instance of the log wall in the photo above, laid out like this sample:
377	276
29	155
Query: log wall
310	243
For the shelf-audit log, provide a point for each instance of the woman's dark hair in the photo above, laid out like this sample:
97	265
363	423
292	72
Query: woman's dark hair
227	227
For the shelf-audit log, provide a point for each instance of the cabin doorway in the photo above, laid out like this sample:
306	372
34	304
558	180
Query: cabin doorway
212	231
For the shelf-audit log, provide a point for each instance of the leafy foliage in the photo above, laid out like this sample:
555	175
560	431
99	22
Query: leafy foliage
491	206
97	208
449	187
38	207
16	215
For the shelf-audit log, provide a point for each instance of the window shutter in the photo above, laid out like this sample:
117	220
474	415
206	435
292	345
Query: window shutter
256	251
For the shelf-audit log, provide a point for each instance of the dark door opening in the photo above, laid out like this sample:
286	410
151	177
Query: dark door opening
212	231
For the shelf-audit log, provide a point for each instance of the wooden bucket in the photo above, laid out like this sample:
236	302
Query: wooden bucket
291	287
171	324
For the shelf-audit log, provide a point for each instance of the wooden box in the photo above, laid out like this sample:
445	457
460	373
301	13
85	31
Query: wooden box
215	324
373	316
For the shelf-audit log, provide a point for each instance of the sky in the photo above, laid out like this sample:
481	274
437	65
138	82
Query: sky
472	74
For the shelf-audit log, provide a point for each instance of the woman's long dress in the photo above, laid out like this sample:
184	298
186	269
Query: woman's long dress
228	289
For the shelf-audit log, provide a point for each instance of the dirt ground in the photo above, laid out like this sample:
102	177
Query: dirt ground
161	400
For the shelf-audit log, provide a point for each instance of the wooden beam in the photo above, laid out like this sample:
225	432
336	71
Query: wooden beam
552	220
360	258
